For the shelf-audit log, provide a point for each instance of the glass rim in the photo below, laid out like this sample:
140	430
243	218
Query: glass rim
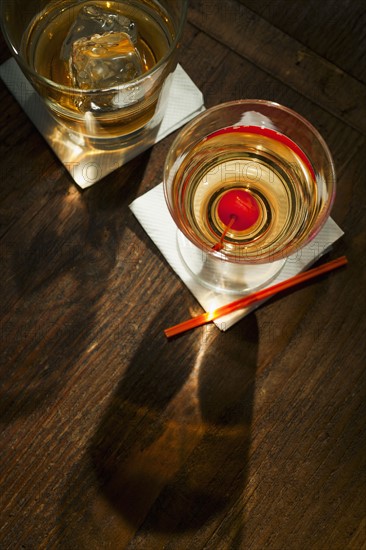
288	248
69	89
201	116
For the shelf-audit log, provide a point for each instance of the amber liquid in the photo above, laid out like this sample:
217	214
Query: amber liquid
42	47
280	181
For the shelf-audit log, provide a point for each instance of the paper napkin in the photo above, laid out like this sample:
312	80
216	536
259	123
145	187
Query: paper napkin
86	164
153	214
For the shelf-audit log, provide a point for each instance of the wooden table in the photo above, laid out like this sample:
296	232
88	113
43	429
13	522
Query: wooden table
112	436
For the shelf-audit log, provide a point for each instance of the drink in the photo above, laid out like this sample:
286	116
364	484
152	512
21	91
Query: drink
248	183
101	66
107	114
43	42
246	191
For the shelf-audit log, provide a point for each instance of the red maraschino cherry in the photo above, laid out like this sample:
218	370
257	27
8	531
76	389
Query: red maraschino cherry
241	205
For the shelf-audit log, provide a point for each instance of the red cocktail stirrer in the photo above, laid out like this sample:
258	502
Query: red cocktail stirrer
254	298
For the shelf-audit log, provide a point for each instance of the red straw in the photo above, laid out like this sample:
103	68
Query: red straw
253	298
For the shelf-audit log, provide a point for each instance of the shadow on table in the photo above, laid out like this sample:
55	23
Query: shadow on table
170	455
56	271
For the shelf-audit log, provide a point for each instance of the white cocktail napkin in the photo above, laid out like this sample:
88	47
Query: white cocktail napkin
153	214
86	164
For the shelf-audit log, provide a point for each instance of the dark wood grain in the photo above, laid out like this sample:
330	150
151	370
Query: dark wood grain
113	437
336	32
300	67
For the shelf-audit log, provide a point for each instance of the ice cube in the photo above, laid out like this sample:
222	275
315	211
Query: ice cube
93	20
104	61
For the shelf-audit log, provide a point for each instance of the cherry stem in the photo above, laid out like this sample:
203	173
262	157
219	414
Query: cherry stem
219	245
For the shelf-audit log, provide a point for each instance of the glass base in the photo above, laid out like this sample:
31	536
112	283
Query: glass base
223	276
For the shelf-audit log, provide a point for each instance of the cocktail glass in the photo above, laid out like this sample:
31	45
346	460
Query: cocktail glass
108	92
248	183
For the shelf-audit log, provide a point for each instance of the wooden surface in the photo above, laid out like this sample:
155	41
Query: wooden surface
111	436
